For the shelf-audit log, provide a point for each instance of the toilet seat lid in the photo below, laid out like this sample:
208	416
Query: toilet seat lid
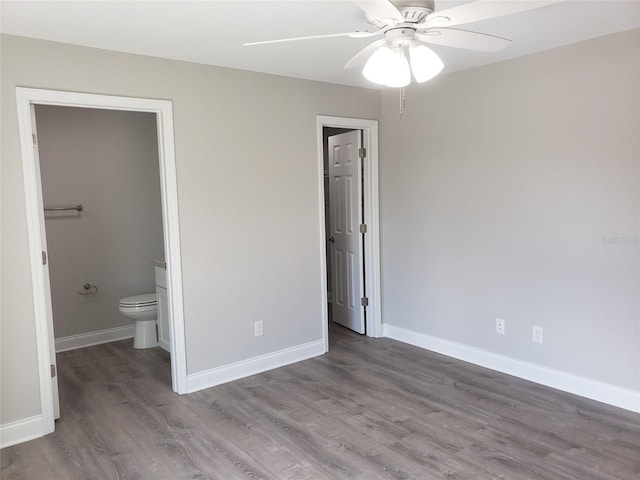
145	300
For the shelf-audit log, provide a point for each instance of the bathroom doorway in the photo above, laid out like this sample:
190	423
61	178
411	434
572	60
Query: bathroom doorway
156	113
103	217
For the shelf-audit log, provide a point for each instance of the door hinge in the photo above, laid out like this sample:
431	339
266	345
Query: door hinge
363	228
44	258
53	371
34	139
362	152
364	301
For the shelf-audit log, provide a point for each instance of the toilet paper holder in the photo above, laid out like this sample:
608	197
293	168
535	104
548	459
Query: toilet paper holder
89	289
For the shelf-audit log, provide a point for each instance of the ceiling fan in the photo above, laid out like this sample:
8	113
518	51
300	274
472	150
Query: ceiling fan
408	24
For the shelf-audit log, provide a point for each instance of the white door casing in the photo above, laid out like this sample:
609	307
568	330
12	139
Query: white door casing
371	215
26	99
344	235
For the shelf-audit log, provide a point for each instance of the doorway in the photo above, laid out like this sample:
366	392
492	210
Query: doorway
100	182
27	99
346	289
364	218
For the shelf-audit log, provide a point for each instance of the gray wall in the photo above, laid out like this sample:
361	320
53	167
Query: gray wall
511	191
107	161
246	153
500	189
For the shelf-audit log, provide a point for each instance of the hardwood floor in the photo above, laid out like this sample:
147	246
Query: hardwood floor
369	409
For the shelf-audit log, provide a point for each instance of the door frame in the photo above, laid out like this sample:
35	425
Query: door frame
163	109
371	261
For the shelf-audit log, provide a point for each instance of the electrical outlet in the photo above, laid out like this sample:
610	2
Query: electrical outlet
538	334
258	329
500	326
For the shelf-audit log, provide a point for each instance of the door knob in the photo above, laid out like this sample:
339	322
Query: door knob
332	240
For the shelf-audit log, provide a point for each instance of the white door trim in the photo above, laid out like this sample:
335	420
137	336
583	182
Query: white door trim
163	109
371	219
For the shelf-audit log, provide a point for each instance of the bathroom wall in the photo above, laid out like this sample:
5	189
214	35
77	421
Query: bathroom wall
107	161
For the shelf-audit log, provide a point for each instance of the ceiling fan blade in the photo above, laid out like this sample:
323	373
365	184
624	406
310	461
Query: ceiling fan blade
363	55
451	37
380	9
311	37
485	9
433	21
428	35
365	34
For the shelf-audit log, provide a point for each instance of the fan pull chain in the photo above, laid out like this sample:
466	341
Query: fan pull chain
403	102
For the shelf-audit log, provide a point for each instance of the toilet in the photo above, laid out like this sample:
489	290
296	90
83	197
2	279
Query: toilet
144	310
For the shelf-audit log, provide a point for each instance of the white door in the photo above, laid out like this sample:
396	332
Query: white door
344	230
45	267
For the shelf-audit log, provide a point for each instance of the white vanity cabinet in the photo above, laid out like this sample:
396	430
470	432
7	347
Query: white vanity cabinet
164	332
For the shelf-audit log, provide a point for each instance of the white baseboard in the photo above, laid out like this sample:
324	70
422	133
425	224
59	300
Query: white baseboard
94	338
245	368
21	431
568	382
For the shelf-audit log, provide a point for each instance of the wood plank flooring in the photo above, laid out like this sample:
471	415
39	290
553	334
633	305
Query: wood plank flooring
369	409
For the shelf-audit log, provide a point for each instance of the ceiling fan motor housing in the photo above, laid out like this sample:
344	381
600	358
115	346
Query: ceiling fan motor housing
414	11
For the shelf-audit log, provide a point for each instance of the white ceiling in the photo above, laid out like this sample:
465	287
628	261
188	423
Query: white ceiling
212	32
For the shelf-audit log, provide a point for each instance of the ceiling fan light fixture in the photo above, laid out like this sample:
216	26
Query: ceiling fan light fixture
425	63
388	66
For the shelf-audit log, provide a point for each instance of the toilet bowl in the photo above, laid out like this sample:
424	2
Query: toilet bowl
144	310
